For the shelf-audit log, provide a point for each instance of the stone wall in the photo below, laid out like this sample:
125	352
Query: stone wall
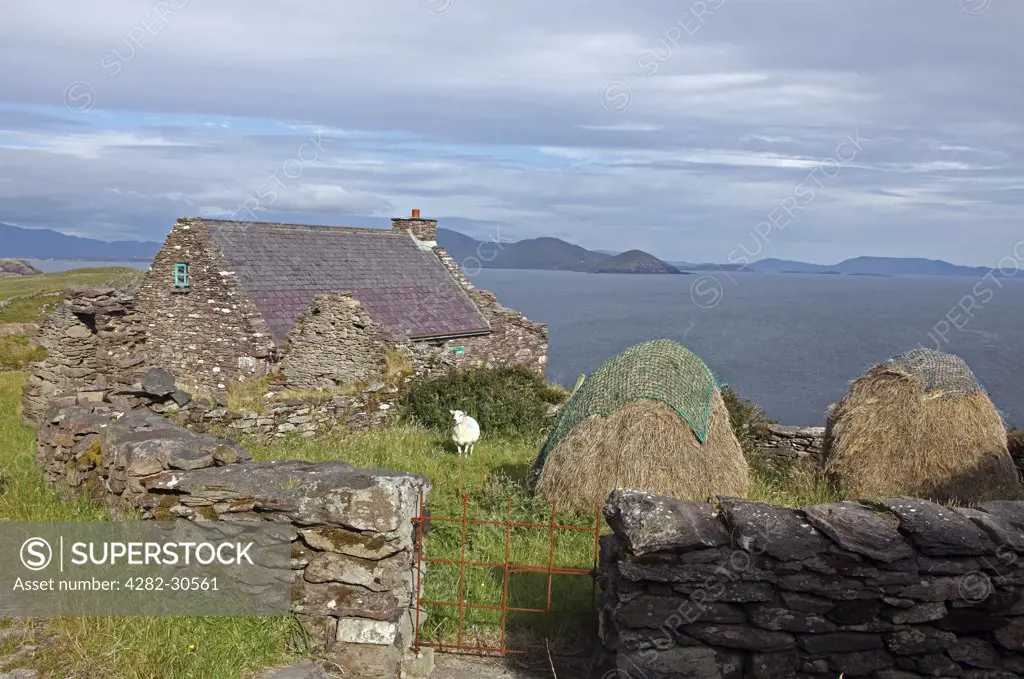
334	342
896	591
97	351
209	332
353	565
92	341
794	444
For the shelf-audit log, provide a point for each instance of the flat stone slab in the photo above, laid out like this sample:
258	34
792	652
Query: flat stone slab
860	530
938	530
146	444
651	523
780	532
158	382
307	493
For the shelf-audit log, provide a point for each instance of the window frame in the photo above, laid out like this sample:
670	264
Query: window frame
182	279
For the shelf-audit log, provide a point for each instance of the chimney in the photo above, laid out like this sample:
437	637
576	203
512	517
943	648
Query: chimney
421	229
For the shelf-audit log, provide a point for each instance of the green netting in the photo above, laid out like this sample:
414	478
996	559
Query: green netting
659	369
938	371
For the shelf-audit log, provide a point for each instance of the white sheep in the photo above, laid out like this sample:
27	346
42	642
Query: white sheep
465	433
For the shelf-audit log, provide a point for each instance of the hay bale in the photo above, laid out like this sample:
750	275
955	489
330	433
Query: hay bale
652	418
919	424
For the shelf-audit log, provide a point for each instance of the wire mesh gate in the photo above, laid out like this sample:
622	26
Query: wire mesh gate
507	568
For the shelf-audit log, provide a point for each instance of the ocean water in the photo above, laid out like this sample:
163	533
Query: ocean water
790	342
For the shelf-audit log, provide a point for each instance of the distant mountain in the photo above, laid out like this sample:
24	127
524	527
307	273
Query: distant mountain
612	253
872	266
556	254
907	266
534	253
772	265
634	261
16	241
705	266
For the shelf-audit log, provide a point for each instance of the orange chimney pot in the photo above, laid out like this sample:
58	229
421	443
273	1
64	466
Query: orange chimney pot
415	213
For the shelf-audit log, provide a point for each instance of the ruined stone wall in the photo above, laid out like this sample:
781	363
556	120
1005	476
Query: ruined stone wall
899	590
334	342
789	444
353	564
209	334
93	341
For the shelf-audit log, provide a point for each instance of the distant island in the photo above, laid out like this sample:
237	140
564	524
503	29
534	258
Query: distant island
559	255
17	267
634	261
546	253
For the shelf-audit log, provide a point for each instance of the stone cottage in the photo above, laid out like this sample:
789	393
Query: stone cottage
229	301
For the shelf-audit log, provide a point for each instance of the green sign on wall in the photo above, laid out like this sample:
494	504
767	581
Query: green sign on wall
458	350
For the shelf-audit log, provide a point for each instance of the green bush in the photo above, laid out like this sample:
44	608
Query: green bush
748	421
507	401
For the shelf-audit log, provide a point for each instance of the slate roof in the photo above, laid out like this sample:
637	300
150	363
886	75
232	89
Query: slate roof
282	267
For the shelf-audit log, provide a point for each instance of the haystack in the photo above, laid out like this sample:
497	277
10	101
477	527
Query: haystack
651	417
919	424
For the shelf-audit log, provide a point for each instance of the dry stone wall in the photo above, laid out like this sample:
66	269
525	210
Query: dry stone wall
97	351
93	341
334	342
900	590
353	565
794	444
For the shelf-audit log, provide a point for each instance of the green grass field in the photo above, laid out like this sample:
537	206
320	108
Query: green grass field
38	295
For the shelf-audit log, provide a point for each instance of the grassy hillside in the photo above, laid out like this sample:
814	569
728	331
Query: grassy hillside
30	298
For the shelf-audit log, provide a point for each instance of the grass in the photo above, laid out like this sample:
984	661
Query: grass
17	351
251	396
38	295
118	647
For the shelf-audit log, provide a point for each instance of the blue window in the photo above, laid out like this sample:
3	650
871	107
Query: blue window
181	279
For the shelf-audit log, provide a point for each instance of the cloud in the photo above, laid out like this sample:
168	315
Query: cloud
129	114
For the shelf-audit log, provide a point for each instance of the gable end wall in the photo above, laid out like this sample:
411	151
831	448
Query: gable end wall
211	335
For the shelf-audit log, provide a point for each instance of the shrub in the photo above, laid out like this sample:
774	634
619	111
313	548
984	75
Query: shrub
749	422
507	401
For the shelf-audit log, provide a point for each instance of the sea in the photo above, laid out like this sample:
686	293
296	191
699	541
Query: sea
792	343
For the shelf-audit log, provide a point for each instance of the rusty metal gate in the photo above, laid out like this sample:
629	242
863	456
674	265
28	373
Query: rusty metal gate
507	569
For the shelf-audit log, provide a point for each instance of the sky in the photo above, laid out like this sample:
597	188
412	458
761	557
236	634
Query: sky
715	130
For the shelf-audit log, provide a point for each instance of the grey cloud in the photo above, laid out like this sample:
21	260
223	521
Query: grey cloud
931	85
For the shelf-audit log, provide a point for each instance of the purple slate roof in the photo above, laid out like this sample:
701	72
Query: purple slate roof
282	267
